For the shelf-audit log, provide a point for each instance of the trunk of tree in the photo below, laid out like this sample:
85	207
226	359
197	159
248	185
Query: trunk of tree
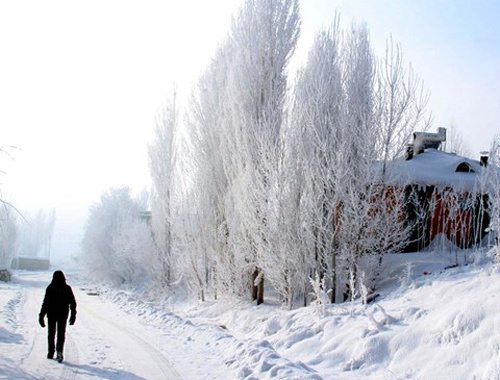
349	290
215	281
260	292
254	287
334	280
304	291
257	289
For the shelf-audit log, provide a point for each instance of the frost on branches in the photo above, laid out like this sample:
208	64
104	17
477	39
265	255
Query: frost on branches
117	243
268	180
491	180
280	187
235	119
162	160
24	234
9	231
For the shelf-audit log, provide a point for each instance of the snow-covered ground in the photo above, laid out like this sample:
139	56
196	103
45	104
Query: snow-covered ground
102	345
428	323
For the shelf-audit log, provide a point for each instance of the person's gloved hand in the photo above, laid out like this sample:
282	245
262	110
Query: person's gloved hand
41	320
72	320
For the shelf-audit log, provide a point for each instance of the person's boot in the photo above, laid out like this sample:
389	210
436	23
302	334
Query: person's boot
50	355
59	356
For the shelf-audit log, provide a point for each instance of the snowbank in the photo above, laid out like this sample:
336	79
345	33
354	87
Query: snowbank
205	340
431	321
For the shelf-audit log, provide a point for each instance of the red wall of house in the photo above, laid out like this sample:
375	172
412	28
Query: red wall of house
448	218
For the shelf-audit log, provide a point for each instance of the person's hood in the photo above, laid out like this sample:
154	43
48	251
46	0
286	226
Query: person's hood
58	278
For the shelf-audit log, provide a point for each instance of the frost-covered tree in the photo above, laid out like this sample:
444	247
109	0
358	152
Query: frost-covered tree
366	212
135	252
8	235
354	171
211	261
264	34
318	117
491	178
117	244
237	115
162	165
35	234
9	227
400	103
290	262
455	142
335	113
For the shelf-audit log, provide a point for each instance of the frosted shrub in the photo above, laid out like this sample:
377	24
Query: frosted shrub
405	279
364	291
320	295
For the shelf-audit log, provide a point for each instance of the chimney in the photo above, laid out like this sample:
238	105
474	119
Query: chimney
425	140
409	152
483	159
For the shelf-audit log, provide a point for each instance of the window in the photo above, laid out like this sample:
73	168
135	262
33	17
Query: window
464	167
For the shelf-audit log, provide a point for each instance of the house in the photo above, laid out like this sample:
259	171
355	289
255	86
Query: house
31	263
444	193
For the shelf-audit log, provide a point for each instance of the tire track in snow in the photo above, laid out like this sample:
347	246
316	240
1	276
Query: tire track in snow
12	308
72	356
31	362
165	369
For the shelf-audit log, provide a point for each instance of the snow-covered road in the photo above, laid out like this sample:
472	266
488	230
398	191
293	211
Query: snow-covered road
120	336
101	345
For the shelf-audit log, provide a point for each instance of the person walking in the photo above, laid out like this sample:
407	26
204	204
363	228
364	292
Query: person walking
59	300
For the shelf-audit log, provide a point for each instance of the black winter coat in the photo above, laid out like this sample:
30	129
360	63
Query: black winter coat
59	298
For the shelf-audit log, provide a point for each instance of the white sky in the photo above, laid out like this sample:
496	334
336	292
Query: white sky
81	82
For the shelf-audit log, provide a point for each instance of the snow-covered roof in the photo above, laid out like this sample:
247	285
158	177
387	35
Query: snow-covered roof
436	168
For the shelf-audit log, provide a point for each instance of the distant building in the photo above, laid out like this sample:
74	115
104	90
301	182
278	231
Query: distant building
31	263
